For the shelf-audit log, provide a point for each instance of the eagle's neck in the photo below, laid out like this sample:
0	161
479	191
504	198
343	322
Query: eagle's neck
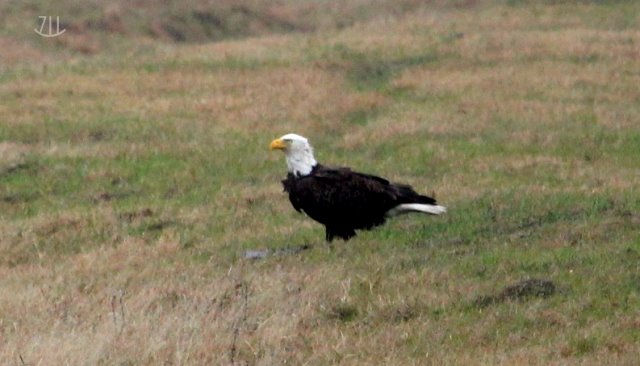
301	162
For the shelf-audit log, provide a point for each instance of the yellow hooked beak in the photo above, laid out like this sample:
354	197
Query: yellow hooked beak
277	144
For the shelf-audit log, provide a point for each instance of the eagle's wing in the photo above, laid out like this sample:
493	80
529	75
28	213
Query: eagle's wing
332	193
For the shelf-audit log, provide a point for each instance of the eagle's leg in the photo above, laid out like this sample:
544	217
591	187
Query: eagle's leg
347	234
343	233
328	234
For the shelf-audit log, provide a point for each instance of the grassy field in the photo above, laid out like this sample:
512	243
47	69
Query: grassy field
134	176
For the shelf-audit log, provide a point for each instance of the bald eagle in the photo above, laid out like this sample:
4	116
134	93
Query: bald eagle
341	199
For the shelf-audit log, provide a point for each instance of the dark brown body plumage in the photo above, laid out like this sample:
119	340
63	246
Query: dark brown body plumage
344	201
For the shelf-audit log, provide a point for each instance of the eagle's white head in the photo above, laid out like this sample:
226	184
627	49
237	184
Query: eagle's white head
298	152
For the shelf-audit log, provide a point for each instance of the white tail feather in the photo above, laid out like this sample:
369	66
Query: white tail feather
416	207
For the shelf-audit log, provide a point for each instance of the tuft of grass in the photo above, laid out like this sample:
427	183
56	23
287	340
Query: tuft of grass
342	312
